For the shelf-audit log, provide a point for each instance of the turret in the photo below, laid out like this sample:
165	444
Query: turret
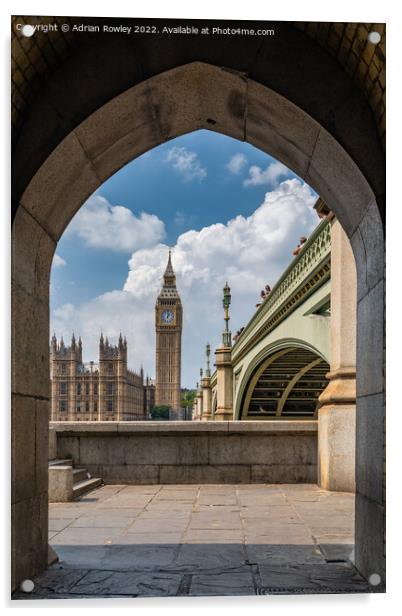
169	277
53	345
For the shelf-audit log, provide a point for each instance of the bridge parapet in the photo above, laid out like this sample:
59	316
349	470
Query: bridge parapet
305	274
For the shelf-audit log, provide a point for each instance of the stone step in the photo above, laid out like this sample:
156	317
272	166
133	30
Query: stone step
79	474
57	462
82	487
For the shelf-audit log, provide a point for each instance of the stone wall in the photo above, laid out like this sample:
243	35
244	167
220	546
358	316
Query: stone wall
187	452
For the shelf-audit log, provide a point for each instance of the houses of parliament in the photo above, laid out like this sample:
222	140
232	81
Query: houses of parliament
108	390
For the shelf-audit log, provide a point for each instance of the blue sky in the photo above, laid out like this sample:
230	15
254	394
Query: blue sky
202	194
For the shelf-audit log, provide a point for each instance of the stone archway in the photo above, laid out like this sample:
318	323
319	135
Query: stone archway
286	384
170	104
261	357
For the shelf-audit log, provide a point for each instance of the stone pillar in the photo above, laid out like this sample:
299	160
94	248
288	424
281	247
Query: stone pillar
206	398
198	399
224	374
52	444
337	415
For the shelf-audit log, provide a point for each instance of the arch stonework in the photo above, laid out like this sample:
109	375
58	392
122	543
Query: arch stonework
303	360
278	345
165	106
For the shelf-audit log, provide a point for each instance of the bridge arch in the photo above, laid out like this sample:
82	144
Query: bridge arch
73	165
285	385
268	352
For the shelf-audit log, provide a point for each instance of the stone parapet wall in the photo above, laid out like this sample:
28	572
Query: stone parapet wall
187	452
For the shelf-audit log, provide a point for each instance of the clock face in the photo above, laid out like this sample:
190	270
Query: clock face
167	316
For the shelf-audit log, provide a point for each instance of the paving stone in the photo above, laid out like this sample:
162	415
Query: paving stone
266	511
181	488
278	538
337	552
217	499
169	506
130	501
81	557
272	522
102	521
158	514
334	538
86	536
106	511
51	534
283	554
149	525
142	489
57	524
202	556
58	579
128	583
222	584
219	509
208	536
131	555
317	578
177	494
215	520
66	511
265	500
155	538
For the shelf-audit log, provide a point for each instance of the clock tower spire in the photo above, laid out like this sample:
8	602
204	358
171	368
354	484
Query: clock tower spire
168	328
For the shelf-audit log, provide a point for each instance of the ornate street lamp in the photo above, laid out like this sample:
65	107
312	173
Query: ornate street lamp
208	353
226	335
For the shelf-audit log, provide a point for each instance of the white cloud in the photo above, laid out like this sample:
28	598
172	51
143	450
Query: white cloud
58	261
186	163
114	227
249	252
236	163
270	175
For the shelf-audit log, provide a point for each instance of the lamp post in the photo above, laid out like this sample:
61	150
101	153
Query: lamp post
226	335
224	370
208	353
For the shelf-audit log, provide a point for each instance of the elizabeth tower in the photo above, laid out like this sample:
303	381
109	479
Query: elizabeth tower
168	325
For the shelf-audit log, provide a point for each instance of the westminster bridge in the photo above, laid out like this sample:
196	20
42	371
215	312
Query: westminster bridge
295	358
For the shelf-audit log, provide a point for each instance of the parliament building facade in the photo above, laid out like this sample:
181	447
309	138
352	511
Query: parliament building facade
108	390
103	391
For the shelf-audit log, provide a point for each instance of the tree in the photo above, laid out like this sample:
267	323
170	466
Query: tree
188	398
160	412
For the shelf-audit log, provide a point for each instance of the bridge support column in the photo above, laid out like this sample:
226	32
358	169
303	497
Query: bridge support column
224	375
337	415
198	400
206	398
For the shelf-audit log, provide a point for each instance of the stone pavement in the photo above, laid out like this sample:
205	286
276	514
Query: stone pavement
176	540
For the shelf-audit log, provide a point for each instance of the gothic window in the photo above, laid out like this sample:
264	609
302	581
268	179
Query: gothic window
63	406
78	389
87	407
95	389
109	389
110	407
95	407
87	389
63	389
78	407
63	368
110	368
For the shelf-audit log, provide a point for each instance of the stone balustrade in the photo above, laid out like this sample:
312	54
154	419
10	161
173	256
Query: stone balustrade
192	452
